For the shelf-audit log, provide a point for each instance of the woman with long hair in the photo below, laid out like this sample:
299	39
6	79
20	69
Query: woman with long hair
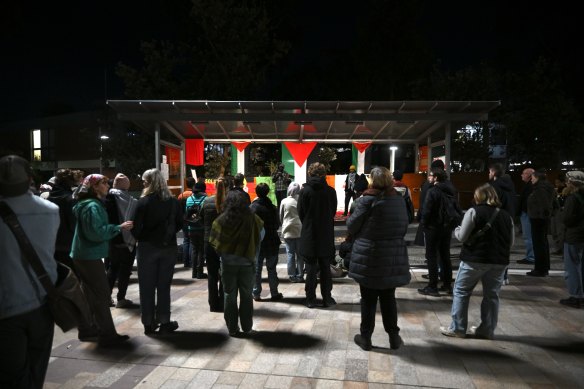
379	258
487	235
236	235
212	208
90	245
158	219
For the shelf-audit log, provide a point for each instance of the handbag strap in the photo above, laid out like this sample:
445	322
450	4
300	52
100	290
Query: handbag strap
26	247
487	226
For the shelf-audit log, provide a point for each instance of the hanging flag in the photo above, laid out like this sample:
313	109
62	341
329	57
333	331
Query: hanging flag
361	146
300	151
194	152
240	145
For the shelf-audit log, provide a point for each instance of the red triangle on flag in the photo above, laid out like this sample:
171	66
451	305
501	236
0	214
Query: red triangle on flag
300	151
240	145
361	146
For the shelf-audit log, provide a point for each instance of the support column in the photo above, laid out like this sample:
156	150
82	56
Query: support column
300	173
157	145
447	149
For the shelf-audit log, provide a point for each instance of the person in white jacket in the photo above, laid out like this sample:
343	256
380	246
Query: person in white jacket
291	227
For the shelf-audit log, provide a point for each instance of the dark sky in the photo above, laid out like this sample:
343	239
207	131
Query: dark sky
61	52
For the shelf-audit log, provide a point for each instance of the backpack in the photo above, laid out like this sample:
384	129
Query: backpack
405	193
450	214
194	213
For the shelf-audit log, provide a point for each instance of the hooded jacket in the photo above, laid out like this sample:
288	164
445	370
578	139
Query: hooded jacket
541	200
317	205
92	231
63	197
573	217
506	192
430	211
263	207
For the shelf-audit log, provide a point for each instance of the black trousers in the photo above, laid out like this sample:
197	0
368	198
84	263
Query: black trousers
197	252
349	194
313	265
280	195
121	262
438	248
26	339
541	247
387	306
215	285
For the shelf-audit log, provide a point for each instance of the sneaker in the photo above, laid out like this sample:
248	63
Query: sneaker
446	331
525	261
428	291
506	281
310	303
257	297
329	302
112	340
477	335
277	297
573	302
168	328
395	341
150	329
124	303
362	342
446	289
112	304
537	273
426	276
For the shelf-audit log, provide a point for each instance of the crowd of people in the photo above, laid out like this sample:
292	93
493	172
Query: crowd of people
99	232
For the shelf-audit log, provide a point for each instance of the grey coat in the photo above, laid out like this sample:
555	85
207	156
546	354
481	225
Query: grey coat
379	259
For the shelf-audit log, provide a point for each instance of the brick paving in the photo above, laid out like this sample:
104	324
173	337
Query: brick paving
539	343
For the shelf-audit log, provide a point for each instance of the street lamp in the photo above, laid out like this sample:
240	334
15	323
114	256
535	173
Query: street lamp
101	139
392	164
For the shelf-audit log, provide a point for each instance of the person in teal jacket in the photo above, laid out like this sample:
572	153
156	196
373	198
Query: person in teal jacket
90	245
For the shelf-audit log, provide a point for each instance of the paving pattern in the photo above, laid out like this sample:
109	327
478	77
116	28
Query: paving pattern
539	343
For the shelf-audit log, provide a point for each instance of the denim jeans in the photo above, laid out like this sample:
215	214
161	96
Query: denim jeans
271	262
526	233
574	269
238	280
295	262
469	274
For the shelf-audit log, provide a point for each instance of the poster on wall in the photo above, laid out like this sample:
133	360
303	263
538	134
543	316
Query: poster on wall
173	161
423	159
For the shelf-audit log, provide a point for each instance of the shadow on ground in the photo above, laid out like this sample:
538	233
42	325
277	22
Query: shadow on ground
192	340
285	340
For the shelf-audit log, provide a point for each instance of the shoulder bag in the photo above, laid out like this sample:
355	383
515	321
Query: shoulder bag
66	299
474	237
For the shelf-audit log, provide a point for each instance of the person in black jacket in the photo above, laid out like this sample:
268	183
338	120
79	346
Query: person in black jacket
437	236
263	207
317	205
483	260
379	258
157	220
524	217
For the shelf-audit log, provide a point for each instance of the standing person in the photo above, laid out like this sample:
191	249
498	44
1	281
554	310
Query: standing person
236	235
379	259
539	208
405	192
291	227
26	323
238	186
186	246
350	193
158	218
197	232
120	206
524	217
263	207
573	219
437	235
361	185
482	259
90	245
281	179
317	205
557	228
505	189
212	208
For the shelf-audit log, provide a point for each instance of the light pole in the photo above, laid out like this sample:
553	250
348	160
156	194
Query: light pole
102	137
392	162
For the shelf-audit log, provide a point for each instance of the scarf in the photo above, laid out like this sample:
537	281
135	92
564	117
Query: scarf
240	237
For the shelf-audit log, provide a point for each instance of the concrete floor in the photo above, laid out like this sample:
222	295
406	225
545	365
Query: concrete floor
539	343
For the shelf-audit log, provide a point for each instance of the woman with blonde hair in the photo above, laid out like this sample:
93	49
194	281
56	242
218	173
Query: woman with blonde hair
212	208
487	235
158	218
379	258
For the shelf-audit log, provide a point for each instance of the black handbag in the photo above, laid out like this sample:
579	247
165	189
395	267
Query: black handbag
65	299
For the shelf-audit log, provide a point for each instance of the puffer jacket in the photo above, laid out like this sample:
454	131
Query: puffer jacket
540	202
573	217
209	215
263	207
92	232
379	259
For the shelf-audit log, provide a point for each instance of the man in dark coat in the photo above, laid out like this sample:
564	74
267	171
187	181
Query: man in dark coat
317	205
524	217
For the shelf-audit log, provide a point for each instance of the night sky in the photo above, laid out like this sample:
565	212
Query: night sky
61	53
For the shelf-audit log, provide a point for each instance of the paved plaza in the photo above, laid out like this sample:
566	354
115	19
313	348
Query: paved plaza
539	343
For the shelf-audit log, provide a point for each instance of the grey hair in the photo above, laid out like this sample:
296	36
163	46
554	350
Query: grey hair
293	189
157	184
